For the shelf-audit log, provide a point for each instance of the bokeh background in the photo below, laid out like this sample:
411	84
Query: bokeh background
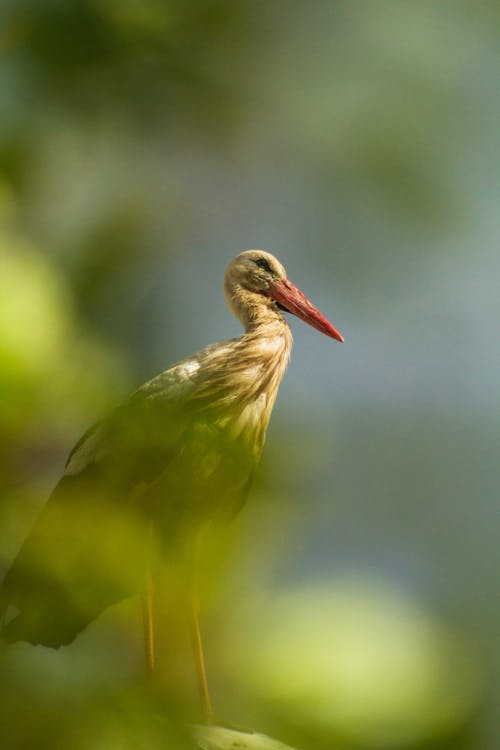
142	144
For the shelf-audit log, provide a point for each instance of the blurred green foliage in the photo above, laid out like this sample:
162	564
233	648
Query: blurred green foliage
144	59
141	145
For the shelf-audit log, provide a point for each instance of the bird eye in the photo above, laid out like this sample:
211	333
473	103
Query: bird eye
262	263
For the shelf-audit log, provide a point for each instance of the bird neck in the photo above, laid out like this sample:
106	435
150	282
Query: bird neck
263	355
239	378
245	369
255	370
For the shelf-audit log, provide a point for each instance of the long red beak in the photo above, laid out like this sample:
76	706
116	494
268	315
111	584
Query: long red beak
292	299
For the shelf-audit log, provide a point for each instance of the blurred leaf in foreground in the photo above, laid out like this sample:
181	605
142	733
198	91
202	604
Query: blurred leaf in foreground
355	659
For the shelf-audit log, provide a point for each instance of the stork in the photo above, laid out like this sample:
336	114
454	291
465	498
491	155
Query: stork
179	452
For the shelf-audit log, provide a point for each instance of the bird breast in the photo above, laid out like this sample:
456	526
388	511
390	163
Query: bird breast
250	422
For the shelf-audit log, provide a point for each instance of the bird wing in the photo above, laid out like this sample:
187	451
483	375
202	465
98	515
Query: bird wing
89	546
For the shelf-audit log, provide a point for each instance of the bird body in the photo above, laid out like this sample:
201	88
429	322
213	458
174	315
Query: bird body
180	451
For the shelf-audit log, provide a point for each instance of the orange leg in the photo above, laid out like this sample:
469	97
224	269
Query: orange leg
196	638
148	623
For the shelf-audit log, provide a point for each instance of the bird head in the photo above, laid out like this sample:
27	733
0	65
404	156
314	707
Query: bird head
256	280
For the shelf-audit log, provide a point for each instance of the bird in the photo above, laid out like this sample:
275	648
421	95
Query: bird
179	453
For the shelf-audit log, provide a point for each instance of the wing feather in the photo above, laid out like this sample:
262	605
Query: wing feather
168	454
88	547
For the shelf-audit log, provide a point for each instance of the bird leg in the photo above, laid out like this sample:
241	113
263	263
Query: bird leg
148	623
148	620
196	639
